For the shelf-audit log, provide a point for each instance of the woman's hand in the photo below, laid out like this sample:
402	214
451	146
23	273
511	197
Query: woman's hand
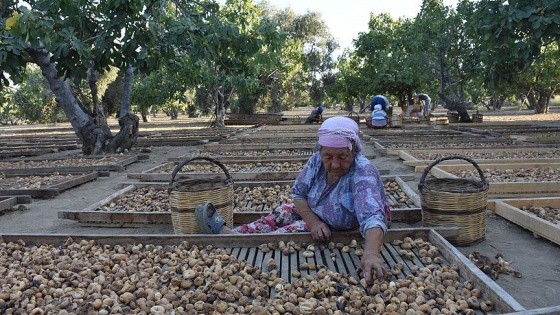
371	260
320	231
371	263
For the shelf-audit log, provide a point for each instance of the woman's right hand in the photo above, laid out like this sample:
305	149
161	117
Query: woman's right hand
320	231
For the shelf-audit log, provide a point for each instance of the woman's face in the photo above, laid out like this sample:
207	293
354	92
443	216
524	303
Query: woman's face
337	161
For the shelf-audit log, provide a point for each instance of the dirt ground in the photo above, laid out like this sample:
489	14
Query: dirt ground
537	259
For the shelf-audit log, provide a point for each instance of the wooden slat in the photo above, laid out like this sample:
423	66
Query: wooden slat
505	189
117	166
530	221
231	240
502	300
552	310
7	202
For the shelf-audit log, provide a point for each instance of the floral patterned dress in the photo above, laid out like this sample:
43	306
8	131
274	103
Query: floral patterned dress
356	200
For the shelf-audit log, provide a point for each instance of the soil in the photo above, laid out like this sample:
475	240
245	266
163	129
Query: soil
536	258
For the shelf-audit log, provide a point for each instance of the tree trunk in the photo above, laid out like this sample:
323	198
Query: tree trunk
145	116
456	106
98	114
94	140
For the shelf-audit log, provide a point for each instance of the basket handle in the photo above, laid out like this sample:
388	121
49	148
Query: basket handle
180	166
451	157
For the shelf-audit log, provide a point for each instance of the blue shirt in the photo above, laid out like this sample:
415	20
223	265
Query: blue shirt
379	118
356	200
379	100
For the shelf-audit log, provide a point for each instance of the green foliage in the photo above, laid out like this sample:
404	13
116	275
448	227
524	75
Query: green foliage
32	102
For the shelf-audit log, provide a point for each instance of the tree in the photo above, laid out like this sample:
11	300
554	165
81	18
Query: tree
241	49
515	40
74	41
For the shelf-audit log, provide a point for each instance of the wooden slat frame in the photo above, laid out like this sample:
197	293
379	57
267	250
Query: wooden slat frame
409	160
245	248
514	144
90	216
7	202
502	189
117	166
52	190
510	210
502	300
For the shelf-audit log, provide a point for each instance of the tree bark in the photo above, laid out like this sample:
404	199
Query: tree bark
94	139
98	113
456	106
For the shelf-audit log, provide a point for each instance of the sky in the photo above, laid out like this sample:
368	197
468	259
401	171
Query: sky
347	18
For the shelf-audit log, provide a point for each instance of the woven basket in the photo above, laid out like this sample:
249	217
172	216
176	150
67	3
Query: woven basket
354	116
186	195
442	121
396	121
453	117
455	201
477	117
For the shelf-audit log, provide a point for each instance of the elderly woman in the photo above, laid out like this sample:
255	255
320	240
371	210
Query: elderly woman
338	189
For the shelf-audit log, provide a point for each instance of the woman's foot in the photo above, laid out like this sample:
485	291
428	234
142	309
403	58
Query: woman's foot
208	218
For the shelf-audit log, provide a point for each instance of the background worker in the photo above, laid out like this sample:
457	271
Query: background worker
379	118
316	115
424	100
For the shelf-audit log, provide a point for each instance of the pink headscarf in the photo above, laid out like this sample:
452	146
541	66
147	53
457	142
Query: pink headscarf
340	132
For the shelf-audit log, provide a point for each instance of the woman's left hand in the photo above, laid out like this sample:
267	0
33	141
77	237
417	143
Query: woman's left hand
373	263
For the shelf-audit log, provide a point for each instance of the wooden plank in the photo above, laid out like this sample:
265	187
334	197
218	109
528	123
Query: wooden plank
54	189
408	191
529	221
503	302
505	189
503	165
552	310
117	166
6	202
236	176
265	146
416	162
225	240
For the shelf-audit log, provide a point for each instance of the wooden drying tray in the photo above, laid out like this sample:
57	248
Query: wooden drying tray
409	159
117	166
217	147
90	216
258	173
510	210
536	139
260	158
246	247
6	202
503	189
440	145
54	189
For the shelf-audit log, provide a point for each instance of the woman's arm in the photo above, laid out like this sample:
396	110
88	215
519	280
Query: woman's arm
371	260
320	231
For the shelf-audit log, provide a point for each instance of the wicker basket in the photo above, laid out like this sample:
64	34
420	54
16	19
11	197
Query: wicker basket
455	201
442	121
477	117
185	196
452	117
396	121
354	116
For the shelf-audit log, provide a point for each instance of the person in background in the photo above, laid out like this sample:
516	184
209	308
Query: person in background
339	189
424	100
316	115
379	100
379	118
